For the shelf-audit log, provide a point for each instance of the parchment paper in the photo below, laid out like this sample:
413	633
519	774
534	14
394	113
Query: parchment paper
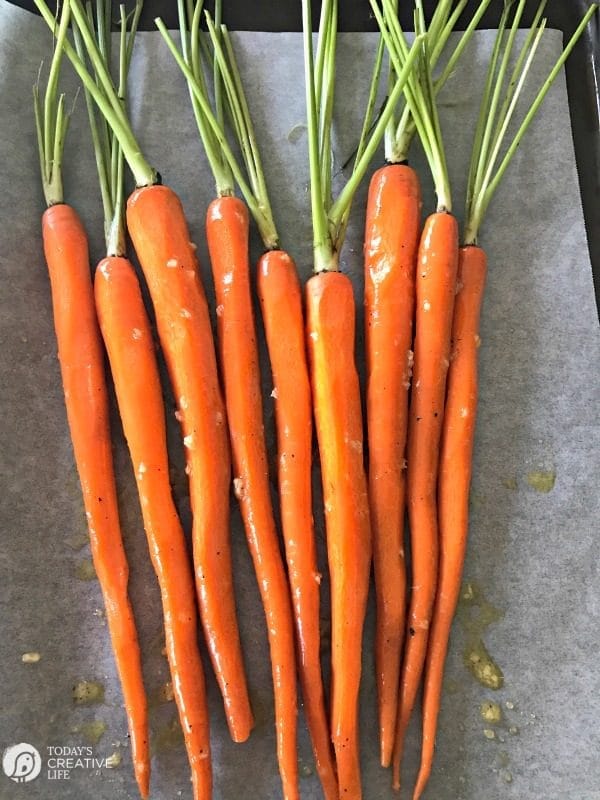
532	554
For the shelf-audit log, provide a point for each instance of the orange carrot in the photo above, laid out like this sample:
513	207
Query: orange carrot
338	419
227	229
391	240
435	288
128	339
453	485
160	236
281	305
86	399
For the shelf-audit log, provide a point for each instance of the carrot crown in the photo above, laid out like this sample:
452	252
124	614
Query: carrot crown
108	151
330	217
401	130
419	90
500	97
52	121
100	86
211	123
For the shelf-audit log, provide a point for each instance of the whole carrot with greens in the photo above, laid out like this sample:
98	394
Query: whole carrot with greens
330	325
435	284
227	231
487	169
86	399
390	249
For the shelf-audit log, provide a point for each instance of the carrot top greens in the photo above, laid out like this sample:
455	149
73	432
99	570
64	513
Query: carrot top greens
419	90
401	131
228	93
330	216
239	112
108	151
487	168
190	17
100	86
52	121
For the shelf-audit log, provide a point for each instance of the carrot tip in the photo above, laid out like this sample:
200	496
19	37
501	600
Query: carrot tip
385	757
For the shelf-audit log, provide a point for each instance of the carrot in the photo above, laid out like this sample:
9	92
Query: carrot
227	229
128	339
330	336
86	400
391	239
336	392
160	235
461	401
453	484
435	288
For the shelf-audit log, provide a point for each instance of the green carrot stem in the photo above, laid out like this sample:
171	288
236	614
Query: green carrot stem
51	96
344	199
101	148
495	98
99	60
503	123
406	129
368	125
117	240
438	24
237	106
231	73
484	118
442	26
217	80
107	150
321	54
143	173
191	57
326	91
103	25
137	11
513	81
51	120
322	245
419	97
478	201
219	135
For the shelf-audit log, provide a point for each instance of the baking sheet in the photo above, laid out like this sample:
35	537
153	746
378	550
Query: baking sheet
532	552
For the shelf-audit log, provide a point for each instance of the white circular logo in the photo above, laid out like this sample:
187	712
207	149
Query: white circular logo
21	762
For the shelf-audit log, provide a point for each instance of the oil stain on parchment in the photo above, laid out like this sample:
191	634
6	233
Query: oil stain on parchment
476	615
